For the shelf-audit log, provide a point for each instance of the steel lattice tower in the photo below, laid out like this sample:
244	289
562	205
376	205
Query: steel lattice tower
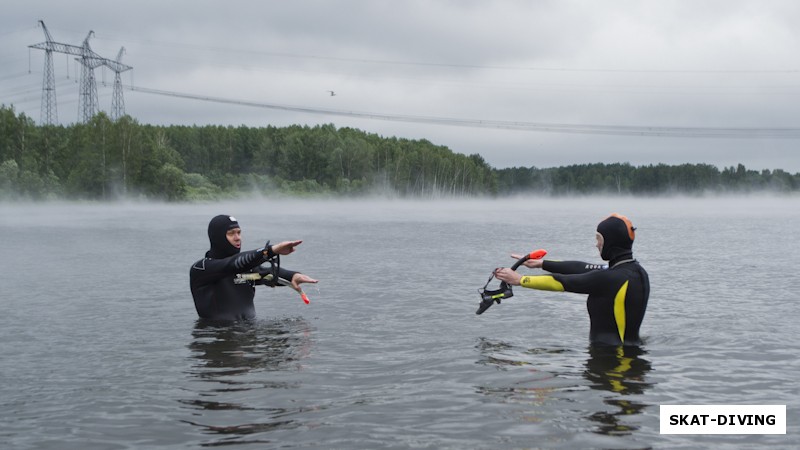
49	112
88	104
89	60
49	109
117	100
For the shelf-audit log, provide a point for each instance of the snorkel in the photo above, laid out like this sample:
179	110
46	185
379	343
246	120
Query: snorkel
488	297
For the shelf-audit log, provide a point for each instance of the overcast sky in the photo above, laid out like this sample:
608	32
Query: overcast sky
420	66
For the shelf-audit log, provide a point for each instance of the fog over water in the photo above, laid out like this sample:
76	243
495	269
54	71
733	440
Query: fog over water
102	347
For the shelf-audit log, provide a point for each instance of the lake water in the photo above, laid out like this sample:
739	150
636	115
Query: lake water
101	347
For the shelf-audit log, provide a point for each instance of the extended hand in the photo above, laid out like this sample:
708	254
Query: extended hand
285	247
531	263
299	278
509	276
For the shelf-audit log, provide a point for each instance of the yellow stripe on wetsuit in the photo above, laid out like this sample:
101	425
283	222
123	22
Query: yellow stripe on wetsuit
619	310
548	283
541	282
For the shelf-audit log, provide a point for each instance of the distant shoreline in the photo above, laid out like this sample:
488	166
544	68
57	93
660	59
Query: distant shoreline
108	160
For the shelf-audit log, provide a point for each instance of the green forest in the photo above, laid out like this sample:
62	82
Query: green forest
106	160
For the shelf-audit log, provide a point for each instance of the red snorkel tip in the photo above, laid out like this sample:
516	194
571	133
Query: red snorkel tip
537	254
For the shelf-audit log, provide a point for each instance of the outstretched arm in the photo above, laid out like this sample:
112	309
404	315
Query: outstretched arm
209	270
563	267
541	282
571	267
593	281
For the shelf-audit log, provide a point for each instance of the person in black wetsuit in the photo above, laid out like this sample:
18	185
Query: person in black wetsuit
219	287
618	292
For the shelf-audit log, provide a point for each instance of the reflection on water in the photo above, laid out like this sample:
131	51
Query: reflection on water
546	380
620	370
529	380
231	364
223	350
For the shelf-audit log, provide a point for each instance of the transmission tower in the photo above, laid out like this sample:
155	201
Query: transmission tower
117	100
49	111
88	104
89	60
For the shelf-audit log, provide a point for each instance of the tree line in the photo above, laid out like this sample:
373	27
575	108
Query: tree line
105	159
650	179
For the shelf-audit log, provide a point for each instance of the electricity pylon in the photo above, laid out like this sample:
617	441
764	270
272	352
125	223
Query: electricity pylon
117	100
87	93
49	111
89	60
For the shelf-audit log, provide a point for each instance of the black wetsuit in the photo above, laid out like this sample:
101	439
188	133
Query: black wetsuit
218	295
618	295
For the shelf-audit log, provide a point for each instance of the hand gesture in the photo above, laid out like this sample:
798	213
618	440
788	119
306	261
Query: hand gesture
299	278
285	247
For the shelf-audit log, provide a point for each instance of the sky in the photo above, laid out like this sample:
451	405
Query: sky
522	83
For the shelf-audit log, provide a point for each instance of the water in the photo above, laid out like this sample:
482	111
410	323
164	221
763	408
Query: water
101	347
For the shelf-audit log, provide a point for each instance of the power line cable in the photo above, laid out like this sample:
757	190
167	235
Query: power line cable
229	51
613	130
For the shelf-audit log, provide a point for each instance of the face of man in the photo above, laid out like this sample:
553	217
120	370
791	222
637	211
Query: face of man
599	238
234	236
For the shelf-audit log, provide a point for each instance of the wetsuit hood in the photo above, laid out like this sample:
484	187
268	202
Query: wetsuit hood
217	228
618	235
